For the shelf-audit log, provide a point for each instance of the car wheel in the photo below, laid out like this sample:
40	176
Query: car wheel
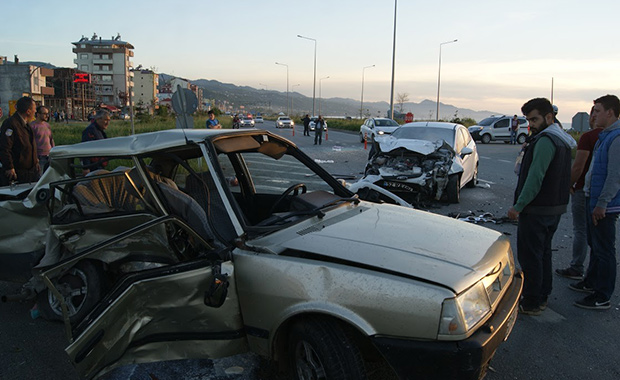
485	139
474	179
453	190
362	138
321	349
521	139
81	286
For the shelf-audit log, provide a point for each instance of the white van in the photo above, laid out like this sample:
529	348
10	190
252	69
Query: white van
498	128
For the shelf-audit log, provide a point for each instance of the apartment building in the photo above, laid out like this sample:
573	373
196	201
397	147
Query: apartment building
22	79
109	63
145	91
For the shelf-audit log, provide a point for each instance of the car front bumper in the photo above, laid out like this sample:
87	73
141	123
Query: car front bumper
466	359
475	135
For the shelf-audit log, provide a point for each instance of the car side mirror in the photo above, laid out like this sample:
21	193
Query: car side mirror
466	150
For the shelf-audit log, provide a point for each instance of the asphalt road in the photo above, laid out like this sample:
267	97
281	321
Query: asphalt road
565	342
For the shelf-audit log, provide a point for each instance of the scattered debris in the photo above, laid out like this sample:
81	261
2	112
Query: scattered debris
486	217
323	161
337	148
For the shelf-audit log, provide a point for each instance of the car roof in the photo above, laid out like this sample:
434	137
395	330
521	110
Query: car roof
433	124
141	143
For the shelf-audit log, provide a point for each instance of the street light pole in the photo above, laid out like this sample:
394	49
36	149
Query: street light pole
314	85
320	93
287	101
393	64
293	96
362	97
439	76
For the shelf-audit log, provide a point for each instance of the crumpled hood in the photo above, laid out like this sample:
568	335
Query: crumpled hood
431	247
425	147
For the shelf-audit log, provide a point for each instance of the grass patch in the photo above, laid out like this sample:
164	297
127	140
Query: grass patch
71	133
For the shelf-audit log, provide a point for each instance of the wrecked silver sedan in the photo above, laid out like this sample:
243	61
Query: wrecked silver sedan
209	243
424	160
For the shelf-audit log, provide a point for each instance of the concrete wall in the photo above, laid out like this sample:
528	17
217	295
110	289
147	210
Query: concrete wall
14	82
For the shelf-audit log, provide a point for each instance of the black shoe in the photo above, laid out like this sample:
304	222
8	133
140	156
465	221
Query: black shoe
581	286
543	305
527	307
570	272
592	302
529	310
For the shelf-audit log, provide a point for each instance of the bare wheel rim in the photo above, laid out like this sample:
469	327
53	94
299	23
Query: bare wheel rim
73	286
309	366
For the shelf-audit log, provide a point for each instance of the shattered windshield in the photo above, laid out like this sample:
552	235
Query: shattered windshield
424	133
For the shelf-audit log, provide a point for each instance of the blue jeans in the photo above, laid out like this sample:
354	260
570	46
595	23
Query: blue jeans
601	273
513	137
534	236
580	227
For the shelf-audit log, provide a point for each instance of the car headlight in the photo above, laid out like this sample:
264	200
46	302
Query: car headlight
292	123
380	132
459	315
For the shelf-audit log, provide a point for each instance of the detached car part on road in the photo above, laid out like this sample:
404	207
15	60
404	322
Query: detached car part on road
208	243
424	160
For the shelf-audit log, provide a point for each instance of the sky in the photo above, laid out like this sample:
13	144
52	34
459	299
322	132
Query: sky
507	51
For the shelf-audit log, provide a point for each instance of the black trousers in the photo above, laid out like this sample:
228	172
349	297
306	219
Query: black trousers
534	236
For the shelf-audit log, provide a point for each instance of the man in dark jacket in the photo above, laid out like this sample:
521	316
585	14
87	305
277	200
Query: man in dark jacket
541	197
306	121
18	148
95	131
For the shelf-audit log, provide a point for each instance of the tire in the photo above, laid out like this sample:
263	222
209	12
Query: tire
82	286
506	142
361	138
521	139
485	139
320	349
453	190
474	181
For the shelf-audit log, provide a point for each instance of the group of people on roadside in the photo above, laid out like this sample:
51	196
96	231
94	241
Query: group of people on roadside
547	180
26	140
319	126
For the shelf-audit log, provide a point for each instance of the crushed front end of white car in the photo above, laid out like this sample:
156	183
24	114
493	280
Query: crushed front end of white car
413	169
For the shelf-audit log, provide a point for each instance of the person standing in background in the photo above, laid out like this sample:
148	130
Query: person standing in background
43	136
583	157
514	128
602	190
18	149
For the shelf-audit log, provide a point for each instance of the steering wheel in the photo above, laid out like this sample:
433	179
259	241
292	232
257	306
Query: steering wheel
294	189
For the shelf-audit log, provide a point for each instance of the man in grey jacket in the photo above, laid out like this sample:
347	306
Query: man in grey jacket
602	190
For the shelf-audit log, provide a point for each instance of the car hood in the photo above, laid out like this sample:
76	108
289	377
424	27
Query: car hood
429	247
425	147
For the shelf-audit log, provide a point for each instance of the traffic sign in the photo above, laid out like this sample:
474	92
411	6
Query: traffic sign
408	117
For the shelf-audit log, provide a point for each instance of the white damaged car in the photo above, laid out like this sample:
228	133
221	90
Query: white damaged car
424	160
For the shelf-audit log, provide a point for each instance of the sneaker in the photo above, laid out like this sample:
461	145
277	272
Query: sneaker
581	286
592	302
570	272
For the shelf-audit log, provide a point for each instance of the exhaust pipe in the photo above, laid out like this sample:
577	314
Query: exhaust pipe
25	294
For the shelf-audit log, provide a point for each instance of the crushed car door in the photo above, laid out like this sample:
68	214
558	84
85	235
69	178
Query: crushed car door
187	310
